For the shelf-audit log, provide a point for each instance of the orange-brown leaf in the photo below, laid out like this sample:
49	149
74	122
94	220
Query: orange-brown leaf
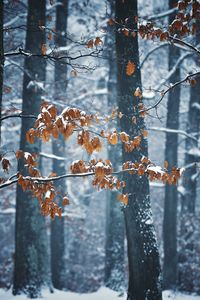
130	68
19	154
90	44
98	41
65	201
166	164
144	133
44	49
138	93
123	198
113	138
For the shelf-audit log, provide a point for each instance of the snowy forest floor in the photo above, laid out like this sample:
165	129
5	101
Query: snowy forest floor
102	294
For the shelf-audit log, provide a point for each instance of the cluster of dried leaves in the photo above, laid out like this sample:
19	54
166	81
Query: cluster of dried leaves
184	23
102	171
148	168
94	43
72	120
45	192
104	177
49	123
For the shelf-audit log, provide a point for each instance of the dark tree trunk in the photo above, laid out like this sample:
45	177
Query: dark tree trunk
31	270
188	242
1	61
144	267
171	193
190	180
114	259
57	225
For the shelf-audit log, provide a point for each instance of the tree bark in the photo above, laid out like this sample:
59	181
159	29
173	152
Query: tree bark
57	225
144	267
188	243
114	251
171	155
190	181
1	60
31	269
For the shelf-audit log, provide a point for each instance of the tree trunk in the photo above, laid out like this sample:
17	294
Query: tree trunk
144	267
188	242
190	180
57	225
1	61
171	194
31	270
114	259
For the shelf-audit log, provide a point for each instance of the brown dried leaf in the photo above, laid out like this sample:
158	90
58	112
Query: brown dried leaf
130	68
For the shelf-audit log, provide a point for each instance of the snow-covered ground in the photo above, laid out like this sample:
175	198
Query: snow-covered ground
102	294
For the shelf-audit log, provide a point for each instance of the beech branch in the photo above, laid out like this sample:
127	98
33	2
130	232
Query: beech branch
41	180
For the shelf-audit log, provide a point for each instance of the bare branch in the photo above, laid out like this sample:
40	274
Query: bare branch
169	130
171	87
8	182
173	70
152	51
18	116
162	14
181	42
26	53
52	156
12	21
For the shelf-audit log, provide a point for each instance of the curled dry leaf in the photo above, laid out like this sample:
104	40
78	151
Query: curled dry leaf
123	198
113	138
166	164
65	201
98	41
44	49
138	93
90	44
5	164
130	68
144	133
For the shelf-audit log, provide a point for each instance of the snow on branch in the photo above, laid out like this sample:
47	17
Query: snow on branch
65	59
162	14
14	20
52	156
20	16
169	130
196	105
18	116
171	87
152	51
184	43
151	94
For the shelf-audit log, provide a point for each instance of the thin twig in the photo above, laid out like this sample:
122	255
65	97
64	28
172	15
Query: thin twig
18	116
171	87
